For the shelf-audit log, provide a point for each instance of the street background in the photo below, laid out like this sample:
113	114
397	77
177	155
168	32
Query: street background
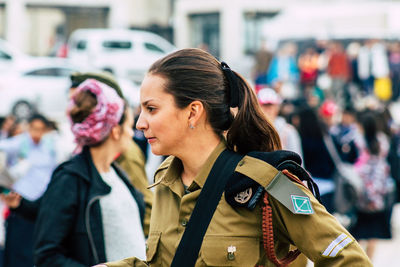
40	46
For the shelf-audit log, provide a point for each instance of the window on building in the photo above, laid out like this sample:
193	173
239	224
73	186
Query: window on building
205	32
253	24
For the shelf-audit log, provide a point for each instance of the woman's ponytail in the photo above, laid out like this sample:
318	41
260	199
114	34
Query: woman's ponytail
250	130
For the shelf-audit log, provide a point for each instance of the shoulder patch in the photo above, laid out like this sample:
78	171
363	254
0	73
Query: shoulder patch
289	195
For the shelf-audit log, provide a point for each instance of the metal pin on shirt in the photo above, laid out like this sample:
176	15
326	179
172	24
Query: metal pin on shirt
231	253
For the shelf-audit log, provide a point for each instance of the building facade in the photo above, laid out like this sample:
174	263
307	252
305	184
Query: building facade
39	26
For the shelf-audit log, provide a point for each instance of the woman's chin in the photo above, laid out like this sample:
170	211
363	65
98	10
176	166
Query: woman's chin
156	151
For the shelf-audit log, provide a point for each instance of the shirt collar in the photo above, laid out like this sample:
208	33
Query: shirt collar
175	169
201	177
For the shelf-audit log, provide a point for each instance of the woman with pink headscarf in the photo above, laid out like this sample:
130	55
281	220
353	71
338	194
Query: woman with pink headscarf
90	212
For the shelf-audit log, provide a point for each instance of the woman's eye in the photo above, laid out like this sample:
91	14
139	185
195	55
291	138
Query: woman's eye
150	109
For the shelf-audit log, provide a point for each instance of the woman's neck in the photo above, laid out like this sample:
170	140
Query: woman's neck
195	157
102	157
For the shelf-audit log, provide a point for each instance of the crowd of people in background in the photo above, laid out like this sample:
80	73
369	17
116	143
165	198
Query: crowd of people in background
328	91
331	69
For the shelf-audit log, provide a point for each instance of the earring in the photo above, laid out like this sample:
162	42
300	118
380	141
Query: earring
191	126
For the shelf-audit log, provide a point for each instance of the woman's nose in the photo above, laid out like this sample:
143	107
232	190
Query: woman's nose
141	123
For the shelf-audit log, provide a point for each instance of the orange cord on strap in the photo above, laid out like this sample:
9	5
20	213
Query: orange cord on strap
293	178
268	238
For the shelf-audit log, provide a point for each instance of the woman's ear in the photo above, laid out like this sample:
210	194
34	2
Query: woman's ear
116	132
196	111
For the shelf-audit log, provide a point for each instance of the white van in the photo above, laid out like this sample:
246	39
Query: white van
126	53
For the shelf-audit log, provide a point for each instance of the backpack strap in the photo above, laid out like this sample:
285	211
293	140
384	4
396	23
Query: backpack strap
189	246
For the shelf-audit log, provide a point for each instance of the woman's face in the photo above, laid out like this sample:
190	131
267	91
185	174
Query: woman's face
162	122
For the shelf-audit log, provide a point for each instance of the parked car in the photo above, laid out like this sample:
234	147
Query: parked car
11	56
126	53
43	86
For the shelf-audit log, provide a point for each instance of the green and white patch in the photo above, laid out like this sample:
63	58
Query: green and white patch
290	195
301	205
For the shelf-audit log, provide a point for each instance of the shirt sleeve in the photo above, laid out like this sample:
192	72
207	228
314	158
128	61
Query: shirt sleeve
318	235
28	209
11	146
56	217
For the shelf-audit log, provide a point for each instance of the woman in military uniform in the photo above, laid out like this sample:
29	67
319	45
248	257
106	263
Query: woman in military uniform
186	100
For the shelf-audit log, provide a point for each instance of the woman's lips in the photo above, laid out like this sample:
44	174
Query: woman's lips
151	140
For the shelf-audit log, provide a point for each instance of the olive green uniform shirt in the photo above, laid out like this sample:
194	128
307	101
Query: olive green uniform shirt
317	235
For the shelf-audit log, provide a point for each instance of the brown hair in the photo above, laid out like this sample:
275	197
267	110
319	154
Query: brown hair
193	74
85	102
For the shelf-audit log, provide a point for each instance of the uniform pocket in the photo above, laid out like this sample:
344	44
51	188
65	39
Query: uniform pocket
152	245
230	251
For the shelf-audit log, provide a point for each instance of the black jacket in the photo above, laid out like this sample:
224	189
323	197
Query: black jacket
69	230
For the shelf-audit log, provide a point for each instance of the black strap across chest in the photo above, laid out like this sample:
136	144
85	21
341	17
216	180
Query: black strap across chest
189	246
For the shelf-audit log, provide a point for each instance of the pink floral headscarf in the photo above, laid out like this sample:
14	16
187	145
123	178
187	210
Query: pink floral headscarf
105	115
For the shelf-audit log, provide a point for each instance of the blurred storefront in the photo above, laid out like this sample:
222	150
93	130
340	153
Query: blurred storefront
39	26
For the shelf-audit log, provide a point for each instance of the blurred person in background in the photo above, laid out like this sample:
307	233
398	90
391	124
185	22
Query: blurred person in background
372	64
19	126
394	151
321	46
6	125
262	60
31	158
352	51
270	103
374	212
132	161
283	73
339	71
316	157
100	216
328	113
308	66
394	64
345	133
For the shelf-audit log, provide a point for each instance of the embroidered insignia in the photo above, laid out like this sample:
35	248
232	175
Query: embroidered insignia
337	245
244	196
302	205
